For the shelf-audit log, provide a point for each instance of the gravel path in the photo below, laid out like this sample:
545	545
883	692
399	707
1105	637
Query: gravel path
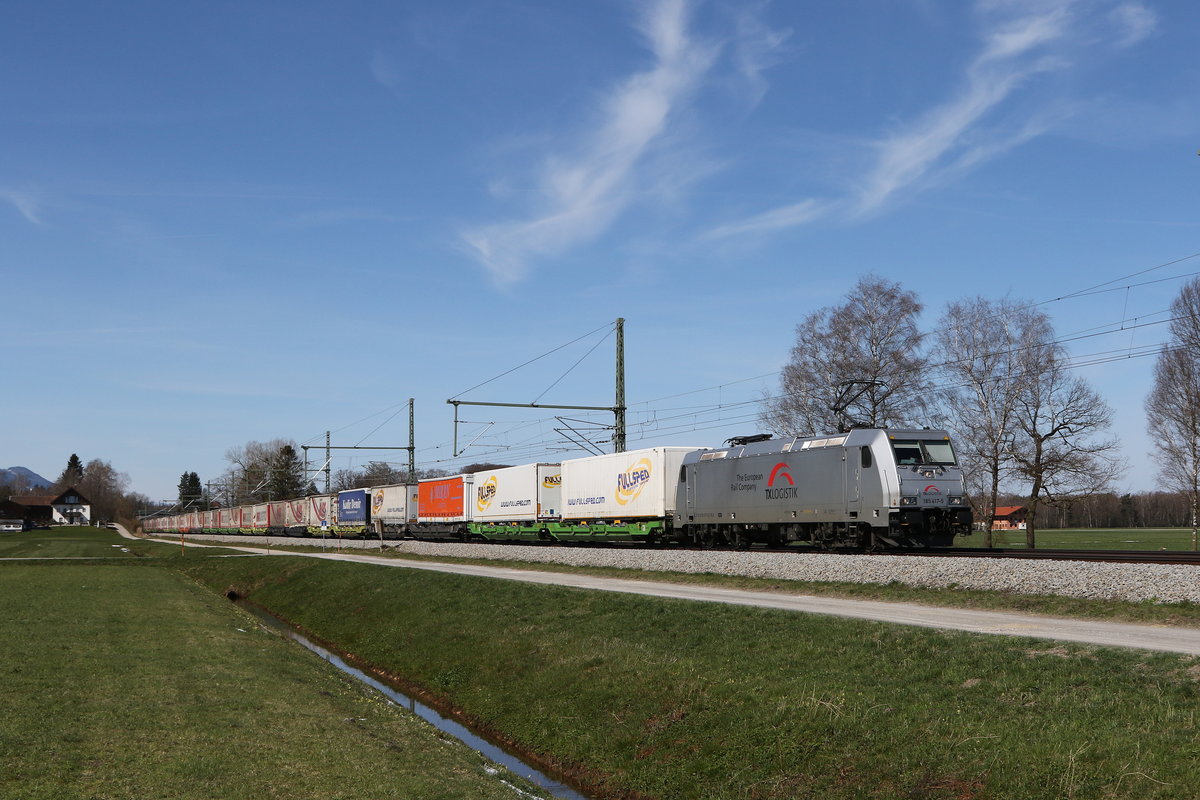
1163	583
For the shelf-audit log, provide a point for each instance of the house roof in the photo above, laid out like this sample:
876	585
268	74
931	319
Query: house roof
1008	511
35	500
51	499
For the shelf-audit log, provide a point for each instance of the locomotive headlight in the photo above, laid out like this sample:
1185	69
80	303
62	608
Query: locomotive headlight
955	500
908	500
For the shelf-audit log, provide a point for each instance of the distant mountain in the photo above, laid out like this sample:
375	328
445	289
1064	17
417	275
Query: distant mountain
13	474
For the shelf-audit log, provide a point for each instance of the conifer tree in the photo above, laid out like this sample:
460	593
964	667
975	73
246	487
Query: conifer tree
287	480
71	475
190	490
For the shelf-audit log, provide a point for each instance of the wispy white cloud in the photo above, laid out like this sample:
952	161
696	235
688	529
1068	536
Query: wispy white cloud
776	219
954	136
581	193
1134	23
1019	41
939	140
27	204
757	48
640	149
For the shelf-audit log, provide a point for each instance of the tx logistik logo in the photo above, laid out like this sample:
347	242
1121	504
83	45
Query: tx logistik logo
779	474
931	489
631	482
377	501
485	494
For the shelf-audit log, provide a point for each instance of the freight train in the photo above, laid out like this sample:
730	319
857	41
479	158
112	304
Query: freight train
865	489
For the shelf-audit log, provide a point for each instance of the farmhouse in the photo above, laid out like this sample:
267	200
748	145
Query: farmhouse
68	507
1010	518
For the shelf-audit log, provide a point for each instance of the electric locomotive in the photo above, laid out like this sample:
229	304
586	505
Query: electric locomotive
865	489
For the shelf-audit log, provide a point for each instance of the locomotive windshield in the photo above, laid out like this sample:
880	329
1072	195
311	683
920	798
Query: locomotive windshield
924	451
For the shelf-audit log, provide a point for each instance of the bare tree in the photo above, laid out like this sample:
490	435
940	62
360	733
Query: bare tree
984	349
1057	444
346	479
381	473
104	487
1173	422
248	478
1173	407
872	340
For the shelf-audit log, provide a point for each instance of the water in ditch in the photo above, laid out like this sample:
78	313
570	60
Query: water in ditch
490	751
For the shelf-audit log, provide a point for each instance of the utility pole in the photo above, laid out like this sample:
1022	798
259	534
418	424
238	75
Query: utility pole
412	443
330	447
619	406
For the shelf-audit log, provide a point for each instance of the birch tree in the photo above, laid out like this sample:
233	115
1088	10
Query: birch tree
1058	444
872	340
984	349
1173	406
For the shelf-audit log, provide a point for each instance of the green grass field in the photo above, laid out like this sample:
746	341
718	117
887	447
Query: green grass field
136	678
1090	539
66	542
128	682
672	699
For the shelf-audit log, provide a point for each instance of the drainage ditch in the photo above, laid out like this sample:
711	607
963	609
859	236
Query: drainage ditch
489	750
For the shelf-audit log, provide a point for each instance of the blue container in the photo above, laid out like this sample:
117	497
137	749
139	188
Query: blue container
354	508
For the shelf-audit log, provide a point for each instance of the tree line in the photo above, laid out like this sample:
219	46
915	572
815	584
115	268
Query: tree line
257	472
1149	509
994	372
260	472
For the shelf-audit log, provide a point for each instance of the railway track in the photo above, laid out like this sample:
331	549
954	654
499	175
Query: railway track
1110	556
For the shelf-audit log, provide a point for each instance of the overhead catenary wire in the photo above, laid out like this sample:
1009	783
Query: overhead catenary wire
698	417
531	361
1097	289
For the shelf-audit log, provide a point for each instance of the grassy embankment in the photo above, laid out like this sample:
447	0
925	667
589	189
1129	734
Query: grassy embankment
123	681
1149	612
672	699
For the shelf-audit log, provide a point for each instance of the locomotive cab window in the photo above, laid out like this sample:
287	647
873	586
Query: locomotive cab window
866	458
937	452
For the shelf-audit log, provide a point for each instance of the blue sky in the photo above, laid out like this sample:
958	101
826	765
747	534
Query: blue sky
226	222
